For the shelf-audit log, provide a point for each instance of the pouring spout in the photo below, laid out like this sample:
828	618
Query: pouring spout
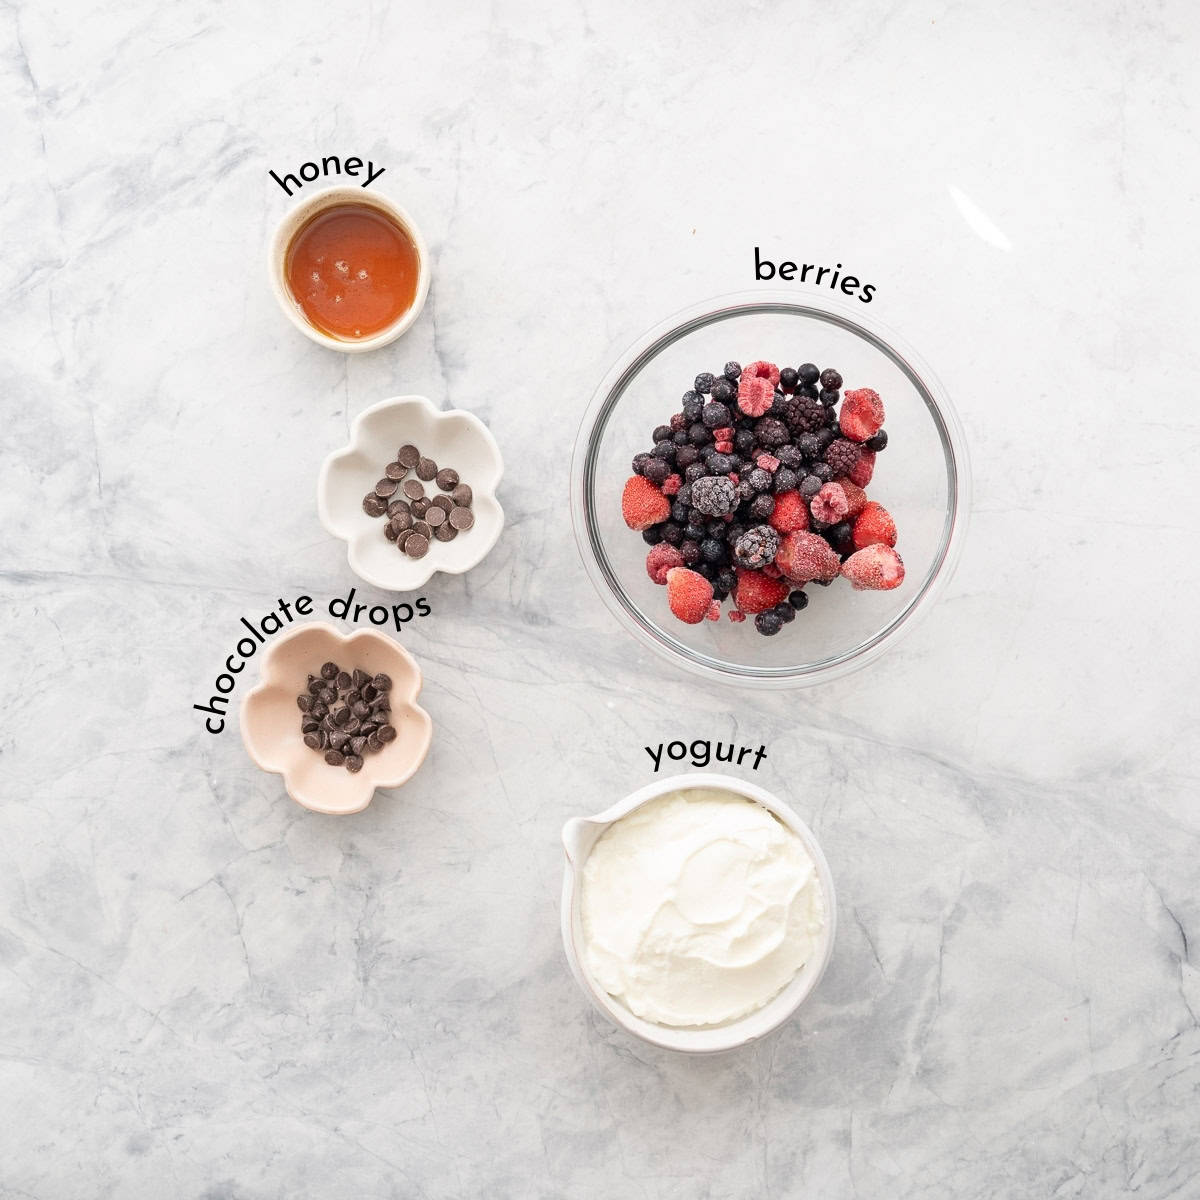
577	836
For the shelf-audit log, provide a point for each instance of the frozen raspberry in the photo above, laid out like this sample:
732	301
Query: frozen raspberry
863	469
671	485
768	462
755	592
660	560
714	611
755	395
856	498
843	456
862	414
830	505
874	527
764	370
736	616
772	571
714	495
874	569
790	513
642	504
689	594
756	547
805	556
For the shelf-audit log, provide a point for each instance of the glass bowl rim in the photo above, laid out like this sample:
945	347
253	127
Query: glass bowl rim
666	333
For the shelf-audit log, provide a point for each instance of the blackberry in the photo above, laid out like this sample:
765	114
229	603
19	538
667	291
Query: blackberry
745	490
823	471
686	455
684	495
768	623
704	382
657	471
798	600
829	397
788	378
733	371
808	372
831	379
808	445
785	480
716	415
743	441
842	456
805	414
771	431
723	390
789	456
662	433
810	485
653	535
756	547
713	551
639	463
714	495
696	470
672	533
761	507
877	442
759	480
691	552
699	435
785	612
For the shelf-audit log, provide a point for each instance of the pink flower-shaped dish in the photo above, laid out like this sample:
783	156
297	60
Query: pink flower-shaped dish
271	717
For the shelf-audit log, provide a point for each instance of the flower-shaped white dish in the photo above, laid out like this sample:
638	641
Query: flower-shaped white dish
452	439
270	717
581	834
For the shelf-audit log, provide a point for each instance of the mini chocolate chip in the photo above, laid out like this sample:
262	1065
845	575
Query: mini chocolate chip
444	503
396	507
329	671
368	728
351	724
360	677
386	487
369	692
312	740
319	710
435	517
310	725
445	533
414	489
462	518
343	680
382	682
408	456
357	744
426	469
316	686
338	740
462	495
354	763
373	506
395	470
304	702
334	758
447	479
362	709
417	545
387	733
374	744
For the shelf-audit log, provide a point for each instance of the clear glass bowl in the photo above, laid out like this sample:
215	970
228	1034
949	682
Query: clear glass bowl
922	478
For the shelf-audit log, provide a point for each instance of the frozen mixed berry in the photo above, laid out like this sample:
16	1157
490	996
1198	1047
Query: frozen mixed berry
828	398
864	469
874	526
657	471
840	537
790	513
714	495
771	431
831	379
877	441
756	547
874	568
862	414
724	391
790	456
662	559
715	415
756	592
689	595
768	623
798	600
810	485
689	551
804	556
761	507
856	498
805	414
755	395
704	383
785	612
785	481
732	371
829	505
642	504
788	378
842	456
808	372
759	479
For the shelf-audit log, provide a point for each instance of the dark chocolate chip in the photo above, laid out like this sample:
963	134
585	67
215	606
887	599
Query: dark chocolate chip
362	709
414	489
390	531
435	517
401	538
368	728
360	677
329	671
402	520
341	715
382	682
417	545
395	470
423	528
334	758
387	733
462	495
462	518
447	479
354	763
385	488
444	503
304	702
310	725
357	744
396	507
374	744
329	696
312	740
338	740
427	469
319	710
421	507
343	680
316	686
352	725
408	456
445	533
373	506
369	692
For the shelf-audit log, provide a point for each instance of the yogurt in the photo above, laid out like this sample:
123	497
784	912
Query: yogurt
698	908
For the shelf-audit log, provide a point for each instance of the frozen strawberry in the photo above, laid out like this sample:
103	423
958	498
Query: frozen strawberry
856	498
874	527
862	414
862	470
771	571
756	592
660	560
790	513
805	556
736	616
874	569
689	594
642	504
830	505
671	485
755	395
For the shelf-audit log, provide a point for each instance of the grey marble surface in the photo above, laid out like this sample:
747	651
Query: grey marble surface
210	992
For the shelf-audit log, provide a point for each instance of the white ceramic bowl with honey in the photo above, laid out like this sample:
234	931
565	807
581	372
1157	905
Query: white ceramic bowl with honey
299	218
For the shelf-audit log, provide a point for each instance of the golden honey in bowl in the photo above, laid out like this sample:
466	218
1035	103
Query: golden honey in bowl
353	270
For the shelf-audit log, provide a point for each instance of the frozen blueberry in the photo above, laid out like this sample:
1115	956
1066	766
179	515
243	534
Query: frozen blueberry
704	382
829	396
810	485
761	507
788	378
877	442
768	623
665	451
743	442
789	456
808	372
733	371
808	445
639	463
690	549
823	471
699	435
657	471
716	415
785	480
694	471
653	535
785	612
719	464
713	551
680	512
662	433
686	455
723	390
831	379
672	534
798	600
